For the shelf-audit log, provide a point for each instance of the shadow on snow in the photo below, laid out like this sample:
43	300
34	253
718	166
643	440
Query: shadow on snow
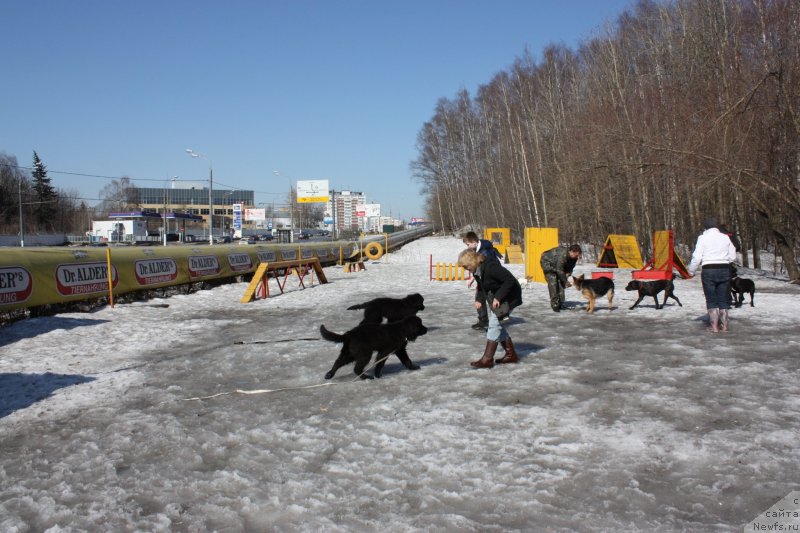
18	391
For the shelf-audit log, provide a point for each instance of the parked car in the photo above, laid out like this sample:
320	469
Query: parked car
224	239
266	237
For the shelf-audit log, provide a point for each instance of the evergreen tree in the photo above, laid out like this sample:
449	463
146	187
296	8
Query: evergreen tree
46	197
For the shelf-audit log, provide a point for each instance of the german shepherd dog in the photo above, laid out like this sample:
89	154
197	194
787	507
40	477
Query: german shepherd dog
652	288
592	289
359	343
393	309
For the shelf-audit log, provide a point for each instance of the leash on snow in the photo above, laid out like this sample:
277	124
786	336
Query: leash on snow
278	340
265	391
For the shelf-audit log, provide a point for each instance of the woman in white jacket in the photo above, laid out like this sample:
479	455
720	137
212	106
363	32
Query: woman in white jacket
715	251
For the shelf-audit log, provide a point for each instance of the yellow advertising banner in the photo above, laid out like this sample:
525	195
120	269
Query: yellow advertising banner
36	276
313	199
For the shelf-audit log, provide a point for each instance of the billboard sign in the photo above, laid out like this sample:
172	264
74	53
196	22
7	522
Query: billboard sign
368	210
312	191
237	217
252	215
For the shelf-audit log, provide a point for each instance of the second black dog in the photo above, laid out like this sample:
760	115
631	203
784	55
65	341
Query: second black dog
740	286
393	309
360	342
652	288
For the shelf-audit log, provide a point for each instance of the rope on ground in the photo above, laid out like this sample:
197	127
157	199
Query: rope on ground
278	340
266	391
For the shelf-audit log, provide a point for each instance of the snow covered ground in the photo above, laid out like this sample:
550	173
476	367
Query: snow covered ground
621	420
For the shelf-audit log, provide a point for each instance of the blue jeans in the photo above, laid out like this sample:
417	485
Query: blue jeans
717	287
496	331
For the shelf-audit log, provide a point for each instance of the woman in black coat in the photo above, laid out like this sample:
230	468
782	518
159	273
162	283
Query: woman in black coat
498	288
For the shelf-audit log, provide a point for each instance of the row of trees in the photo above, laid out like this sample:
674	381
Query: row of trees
45	209
679	111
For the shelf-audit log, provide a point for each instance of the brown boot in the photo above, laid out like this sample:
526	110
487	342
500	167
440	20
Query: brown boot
511	354
487	360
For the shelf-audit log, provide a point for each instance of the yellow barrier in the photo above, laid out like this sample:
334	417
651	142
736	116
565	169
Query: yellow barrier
451	272
499	237
514	254
32	277
537	241
620	251
448	272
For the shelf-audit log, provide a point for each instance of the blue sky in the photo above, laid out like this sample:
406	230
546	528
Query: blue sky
334	90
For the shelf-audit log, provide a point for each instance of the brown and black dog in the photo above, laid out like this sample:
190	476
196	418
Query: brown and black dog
393	309
652	288
592	289
359	343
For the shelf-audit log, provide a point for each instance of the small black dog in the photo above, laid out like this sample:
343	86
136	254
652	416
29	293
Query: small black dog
652	288
592	289
393	309
362	340
740	286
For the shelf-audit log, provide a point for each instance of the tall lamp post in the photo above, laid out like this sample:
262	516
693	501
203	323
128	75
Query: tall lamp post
192	153
333	213
166	201
291	206
21	222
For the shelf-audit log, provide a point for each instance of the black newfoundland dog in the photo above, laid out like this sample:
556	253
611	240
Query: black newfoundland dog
392	309
360	342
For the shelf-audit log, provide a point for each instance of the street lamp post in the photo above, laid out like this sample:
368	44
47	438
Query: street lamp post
21	222
333	212
291	206
192	153
166	201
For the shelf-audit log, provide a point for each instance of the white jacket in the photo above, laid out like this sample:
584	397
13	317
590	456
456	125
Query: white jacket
713	248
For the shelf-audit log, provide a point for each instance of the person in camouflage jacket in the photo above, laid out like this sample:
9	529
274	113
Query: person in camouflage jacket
558	263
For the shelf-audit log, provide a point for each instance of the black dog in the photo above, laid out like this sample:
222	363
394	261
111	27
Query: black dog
362	340
652	288
740	286
393	309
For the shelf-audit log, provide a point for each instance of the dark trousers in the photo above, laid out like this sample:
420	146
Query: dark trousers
556	289
717	287
483	313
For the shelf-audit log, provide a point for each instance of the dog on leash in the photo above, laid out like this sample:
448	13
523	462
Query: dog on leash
592	289
359	343
652	288
392	309
740	286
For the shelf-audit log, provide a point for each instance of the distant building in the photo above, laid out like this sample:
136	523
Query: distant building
342	208
191	198
119	230
376	224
